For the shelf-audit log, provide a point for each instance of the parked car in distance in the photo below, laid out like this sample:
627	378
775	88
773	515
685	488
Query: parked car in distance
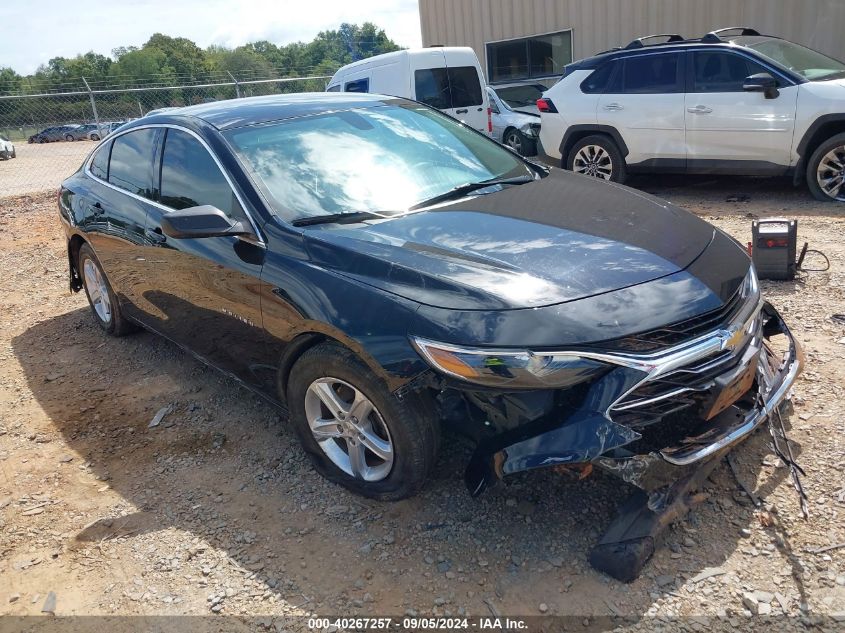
103	130
521	97
80	132
447	78
7	148
731	102
517	130
55	133
384	270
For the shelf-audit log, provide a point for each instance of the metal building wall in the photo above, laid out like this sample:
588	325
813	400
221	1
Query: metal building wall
602	24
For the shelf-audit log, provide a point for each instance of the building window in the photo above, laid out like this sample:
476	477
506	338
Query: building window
530	57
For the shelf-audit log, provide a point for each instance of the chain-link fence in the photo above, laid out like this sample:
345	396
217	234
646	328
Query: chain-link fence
45	137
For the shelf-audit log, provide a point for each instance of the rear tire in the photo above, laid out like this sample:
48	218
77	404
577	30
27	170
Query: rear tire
597	156
104	304
826	170
404	432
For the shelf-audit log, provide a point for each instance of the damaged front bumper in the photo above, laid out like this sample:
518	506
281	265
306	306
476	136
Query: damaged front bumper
655	419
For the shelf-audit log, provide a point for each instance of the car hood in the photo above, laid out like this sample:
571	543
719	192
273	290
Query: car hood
532	110
558	239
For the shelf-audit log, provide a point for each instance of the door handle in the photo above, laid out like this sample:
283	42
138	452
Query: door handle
156	236
700	109
614	107
461	111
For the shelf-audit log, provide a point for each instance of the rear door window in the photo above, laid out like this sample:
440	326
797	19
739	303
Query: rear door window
652	74
131	164
446	88
100	162
190	177
359	85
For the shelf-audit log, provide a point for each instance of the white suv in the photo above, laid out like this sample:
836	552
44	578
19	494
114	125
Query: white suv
731	102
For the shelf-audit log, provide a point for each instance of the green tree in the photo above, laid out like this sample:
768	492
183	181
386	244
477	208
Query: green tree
10	81
186	59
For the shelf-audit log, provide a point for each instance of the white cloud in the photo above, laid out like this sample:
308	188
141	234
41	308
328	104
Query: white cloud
93	26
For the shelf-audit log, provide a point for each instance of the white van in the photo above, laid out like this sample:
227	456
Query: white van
446	78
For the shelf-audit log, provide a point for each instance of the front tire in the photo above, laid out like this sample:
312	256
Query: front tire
520	143
104	304
826	170
356	432
68	137
599	157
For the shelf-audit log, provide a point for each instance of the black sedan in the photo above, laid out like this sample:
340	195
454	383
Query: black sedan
385	271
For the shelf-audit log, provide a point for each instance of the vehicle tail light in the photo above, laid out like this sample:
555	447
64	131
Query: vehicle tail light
489	120
546	105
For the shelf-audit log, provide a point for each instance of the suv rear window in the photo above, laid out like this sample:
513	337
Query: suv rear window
445	88
599	79
651	74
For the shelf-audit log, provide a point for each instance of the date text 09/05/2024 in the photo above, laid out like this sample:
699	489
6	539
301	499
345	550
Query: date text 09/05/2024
416	623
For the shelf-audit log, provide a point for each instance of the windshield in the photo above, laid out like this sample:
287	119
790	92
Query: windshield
800	59
521	96
384	159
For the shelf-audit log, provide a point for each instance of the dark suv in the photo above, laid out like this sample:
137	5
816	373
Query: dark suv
731	102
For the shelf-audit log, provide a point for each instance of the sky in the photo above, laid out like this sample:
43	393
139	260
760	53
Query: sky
35	31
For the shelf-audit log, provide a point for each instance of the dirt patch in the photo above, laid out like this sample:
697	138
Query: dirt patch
41	166
217	511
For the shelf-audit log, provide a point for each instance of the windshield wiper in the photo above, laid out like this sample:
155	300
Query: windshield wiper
468	187
337	218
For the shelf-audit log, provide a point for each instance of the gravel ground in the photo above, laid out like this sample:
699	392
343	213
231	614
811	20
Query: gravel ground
217	511
41	166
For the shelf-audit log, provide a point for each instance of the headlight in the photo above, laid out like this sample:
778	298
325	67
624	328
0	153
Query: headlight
508	368
750	286
530	129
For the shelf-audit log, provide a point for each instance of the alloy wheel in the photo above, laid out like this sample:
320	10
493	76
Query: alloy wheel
830	174
593	160
349	429
98	291
514	141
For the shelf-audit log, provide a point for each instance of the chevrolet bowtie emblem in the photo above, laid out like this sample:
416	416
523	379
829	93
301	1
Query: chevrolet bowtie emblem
732	341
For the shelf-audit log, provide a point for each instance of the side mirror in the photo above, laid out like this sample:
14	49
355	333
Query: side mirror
198	222
762	82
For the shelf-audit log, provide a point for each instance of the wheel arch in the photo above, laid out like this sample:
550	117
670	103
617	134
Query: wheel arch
575	133
306	340
821	129
73	245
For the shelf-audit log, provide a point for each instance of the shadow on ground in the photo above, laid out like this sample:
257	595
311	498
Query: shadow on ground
223	467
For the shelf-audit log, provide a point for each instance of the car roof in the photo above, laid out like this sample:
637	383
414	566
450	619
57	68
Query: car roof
233	113
745	37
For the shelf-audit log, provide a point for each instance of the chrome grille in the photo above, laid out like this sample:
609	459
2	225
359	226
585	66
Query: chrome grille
682	388
680	332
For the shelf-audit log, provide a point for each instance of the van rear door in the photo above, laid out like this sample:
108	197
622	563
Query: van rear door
451	80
